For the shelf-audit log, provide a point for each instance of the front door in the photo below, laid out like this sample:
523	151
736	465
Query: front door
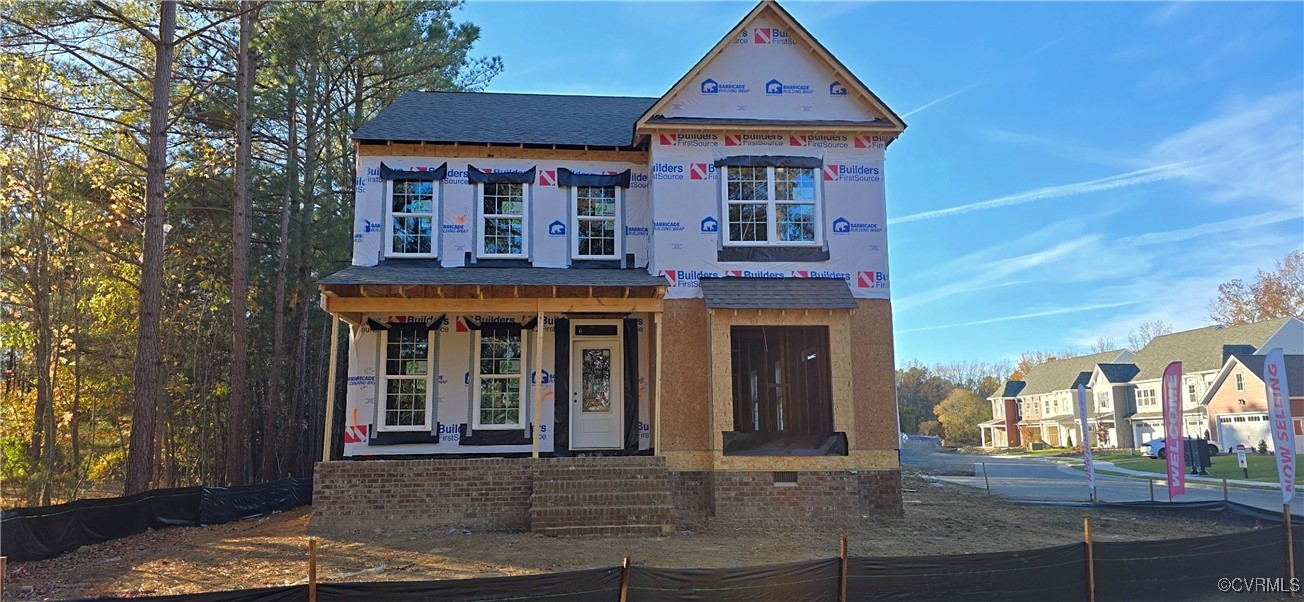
596	400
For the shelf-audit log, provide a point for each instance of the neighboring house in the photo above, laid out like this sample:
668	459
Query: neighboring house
1237	402
1203	353
1003	429
1110	404
1051	391
700	279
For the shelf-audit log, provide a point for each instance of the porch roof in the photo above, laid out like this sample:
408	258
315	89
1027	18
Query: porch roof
431	273
777	293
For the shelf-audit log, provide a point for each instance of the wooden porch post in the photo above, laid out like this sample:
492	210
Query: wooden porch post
537	415
330	389
656	389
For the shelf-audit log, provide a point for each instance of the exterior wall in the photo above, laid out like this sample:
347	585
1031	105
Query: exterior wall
685	427
754	500
1227	400
484	493
1013	438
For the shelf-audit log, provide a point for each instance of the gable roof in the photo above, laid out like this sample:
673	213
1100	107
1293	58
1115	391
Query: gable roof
1118	373
1010	389
777	293
1200	350
498	118
1060	375
772	8
1254	363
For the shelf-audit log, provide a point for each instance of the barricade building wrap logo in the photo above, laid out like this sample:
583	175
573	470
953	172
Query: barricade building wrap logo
712	87
754	140
775	87
819	141
835	172
772	35
455	223
710	224
635	231
844	226
557	228
837	89
661	226
367	227
688	140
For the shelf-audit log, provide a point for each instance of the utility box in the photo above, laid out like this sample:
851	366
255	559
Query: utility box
1197	455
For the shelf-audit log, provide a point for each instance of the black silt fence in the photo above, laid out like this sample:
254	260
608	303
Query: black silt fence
1187	569
1058	573
37	533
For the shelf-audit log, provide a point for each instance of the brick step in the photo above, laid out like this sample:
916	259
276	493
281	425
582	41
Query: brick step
595	499
606	515
664	529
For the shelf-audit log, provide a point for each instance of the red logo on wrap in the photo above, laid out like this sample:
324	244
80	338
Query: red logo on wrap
831	172
668	139
801	273
461	326
866	142
733	139
864	279
735	273
548	177
797	140
762	35
699	171
669	275
355	434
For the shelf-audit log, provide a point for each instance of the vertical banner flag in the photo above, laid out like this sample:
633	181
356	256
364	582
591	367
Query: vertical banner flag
1283	425
1089	463
1173	440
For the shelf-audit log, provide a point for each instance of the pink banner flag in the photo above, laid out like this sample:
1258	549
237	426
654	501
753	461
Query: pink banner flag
1173	441
1283	425
1088	461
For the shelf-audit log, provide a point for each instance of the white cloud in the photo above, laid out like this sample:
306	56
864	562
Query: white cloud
1024	316
1218	227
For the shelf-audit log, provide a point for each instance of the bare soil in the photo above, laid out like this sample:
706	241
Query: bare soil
940	518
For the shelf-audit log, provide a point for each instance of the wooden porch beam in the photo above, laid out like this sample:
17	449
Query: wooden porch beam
394	305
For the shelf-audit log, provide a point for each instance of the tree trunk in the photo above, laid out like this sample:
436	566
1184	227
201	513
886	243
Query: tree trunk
237	423
148	369
273	406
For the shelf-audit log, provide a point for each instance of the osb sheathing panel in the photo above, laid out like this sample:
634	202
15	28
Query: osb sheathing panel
685	388
500	152
722	320
874	376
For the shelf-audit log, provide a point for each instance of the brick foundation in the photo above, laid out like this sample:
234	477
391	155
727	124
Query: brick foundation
690	495
743	499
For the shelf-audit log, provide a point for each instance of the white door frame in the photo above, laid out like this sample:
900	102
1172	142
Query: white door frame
617	415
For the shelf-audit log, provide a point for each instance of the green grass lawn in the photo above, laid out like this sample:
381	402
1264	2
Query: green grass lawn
1262	468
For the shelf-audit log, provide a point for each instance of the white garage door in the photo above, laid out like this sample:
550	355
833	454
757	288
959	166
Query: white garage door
1247	429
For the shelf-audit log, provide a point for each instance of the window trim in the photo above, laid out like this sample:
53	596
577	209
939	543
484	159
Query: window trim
383	408
618	230
435	194
1240	381
481	216
772	214
522	418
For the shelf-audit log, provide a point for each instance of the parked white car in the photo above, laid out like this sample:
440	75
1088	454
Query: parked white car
1155	448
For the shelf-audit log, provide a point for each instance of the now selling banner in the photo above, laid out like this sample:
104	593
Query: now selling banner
1173	440
1283	430
1088	461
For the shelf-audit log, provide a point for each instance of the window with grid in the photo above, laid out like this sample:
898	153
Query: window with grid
411	226
407	380
771	206
1102	401
1240	381
596	223
1146	398
498	380
502	220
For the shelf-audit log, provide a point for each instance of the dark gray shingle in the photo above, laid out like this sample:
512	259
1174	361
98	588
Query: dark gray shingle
1118	373
486	117
777	293
422	272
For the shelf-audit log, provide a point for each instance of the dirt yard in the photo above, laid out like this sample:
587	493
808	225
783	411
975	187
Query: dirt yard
939	519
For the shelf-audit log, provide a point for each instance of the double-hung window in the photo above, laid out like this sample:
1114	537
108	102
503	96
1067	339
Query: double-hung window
407	380
596	223
1145	398
503	232
498	379
410	228
772	206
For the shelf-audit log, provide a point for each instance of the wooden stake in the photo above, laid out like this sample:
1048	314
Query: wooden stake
4	568
1091	560
1152	490
1290	547
985	481
1225	493
842	571
624	579
312	569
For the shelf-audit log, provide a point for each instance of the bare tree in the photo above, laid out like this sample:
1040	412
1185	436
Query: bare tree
1146	332
1103	344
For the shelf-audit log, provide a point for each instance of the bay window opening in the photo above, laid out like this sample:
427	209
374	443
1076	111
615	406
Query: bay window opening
782	379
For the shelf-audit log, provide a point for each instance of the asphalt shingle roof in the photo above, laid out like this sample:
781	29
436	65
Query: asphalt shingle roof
1118	373
423	272
1294	371
487	117
777	293
1011	389
1201	349
1059	375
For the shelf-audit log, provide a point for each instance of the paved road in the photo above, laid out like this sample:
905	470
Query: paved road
1045	480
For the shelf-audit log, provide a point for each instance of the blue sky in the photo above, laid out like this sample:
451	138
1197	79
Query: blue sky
1070	170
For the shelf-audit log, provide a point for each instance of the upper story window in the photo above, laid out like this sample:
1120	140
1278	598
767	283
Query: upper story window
998	408
1145	398
411	205
1102	401
503	231
596	223
768	205
411	226
1240	381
